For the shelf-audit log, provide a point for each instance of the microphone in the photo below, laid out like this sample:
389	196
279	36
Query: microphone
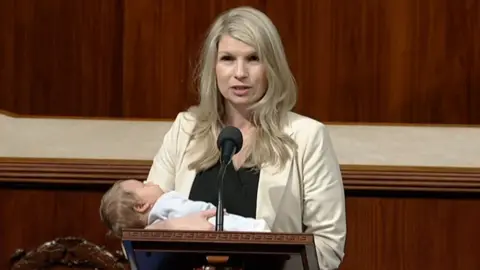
229	142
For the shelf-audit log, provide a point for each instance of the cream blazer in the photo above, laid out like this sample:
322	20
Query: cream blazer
307	191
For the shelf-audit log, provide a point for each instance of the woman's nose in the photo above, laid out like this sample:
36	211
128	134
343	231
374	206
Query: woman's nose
241	70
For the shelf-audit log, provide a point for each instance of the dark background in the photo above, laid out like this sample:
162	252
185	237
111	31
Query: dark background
370	61
406	61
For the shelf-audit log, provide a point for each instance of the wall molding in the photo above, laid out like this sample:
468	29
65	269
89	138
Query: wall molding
153	119
356	177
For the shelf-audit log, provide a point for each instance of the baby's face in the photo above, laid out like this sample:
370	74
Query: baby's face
148	192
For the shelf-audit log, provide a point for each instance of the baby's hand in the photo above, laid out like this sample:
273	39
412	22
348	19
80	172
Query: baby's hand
156	226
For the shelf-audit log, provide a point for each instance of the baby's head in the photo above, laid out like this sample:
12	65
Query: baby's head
127	204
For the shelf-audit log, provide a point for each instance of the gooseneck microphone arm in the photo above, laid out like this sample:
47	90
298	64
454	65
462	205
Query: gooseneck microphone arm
229	142
220	208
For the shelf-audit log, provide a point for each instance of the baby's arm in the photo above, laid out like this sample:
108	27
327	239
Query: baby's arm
156	225
173	205
187	207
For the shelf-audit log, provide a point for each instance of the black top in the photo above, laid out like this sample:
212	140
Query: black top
239	189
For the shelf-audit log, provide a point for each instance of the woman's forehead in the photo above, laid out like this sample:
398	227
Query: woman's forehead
229	45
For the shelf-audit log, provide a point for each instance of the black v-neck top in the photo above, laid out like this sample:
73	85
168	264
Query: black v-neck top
240	188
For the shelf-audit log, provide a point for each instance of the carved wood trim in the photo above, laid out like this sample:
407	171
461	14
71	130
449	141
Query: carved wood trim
355	177
69	252
218	237
226	244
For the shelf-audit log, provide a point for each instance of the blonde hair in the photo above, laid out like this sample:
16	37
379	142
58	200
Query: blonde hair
117	210
269	114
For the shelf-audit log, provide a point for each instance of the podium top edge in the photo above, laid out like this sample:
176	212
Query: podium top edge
217	237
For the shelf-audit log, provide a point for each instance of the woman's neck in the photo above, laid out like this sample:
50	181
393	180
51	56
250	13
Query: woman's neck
239	118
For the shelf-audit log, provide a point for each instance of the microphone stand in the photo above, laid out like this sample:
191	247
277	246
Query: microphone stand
220	209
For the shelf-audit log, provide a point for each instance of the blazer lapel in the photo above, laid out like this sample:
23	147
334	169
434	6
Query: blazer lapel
184	181
185	177
271	186
270	189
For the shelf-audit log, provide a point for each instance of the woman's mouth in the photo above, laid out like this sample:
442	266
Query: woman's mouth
240	87
241	90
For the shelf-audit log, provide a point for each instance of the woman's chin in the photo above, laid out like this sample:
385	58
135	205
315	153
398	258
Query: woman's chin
239	100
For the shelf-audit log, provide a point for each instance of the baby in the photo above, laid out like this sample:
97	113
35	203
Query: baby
133	204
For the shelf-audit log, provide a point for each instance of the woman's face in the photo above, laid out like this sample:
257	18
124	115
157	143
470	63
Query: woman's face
241	77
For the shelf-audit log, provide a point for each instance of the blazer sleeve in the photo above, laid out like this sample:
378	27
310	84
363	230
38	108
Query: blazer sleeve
162	171
324	198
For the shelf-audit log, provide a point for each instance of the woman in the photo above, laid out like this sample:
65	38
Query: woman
286	172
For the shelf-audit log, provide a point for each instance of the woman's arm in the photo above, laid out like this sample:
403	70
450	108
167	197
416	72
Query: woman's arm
324	198
196	222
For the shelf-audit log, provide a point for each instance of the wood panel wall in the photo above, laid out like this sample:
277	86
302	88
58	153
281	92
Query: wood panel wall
397	218
411	61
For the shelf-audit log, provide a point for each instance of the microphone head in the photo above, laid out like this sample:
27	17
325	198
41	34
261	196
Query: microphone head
231	134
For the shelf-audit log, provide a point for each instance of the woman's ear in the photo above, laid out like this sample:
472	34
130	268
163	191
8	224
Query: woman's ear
142	207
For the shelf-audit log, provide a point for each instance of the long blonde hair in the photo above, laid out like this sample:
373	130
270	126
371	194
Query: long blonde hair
269	114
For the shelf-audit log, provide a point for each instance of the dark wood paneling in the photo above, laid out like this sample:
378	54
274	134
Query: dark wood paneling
370	61
61	57
358	61
402	232
35	214
398	218
162	42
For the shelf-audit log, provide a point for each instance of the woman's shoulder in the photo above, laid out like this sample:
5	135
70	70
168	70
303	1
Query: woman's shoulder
302	124
306	131
184	120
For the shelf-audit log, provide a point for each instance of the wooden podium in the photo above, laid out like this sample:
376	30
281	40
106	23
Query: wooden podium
159	249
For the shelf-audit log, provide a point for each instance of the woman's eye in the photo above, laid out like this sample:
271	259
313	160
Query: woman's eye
226	58
254	58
